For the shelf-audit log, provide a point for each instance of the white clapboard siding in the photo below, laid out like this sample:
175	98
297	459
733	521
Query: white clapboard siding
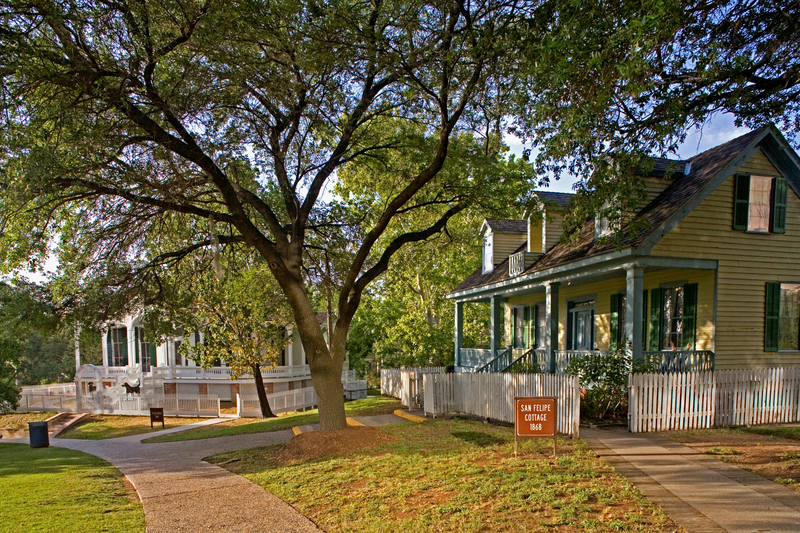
696	400
491	395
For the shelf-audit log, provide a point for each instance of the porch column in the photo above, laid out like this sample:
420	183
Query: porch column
551	328
633	311
498	313
459	332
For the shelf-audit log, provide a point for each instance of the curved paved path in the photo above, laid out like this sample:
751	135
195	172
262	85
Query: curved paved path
699	492
182	493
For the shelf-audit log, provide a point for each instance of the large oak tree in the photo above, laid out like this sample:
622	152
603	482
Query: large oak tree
136	133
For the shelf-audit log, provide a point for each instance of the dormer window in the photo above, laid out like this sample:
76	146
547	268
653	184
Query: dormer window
760	204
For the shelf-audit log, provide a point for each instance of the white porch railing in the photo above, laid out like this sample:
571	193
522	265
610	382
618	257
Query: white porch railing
47	402
222	372
279	402
474	357
67	389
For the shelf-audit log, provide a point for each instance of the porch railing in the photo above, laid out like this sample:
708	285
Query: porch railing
563	357
503	360
474	357
668	361
533	361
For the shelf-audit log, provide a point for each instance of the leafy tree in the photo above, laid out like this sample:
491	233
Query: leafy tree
242	316
44	340
615	82
131	128
9	391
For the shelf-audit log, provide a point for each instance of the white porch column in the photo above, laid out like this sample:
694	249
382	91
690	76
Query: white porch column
498	314
131	341
633	310
77	347
551	328
459	332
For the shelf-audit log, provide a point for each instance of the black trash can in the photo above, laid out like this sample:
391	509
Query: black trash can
38	434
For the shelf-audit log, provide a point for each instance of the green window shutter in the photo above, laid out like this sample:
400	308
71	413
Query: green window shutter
535	326
109	349
152	354
135	345
644	321
526	327
741	202
125	348
780	191
689	316
772	313
655	319
614	325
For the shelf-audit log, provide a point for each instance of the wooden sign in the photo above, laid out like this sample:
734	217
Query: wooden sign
535	416
156	415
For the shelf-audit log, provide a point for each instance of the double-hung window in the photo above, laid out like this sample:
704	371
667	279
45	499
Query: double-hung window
782	323
760	204
145	351
580	325
673	317
117	346
529	323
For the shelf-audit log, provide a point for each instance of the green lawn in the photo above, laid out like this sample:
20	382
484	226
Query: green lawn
52	489
98	427
243	426
455	476
20	420
783	432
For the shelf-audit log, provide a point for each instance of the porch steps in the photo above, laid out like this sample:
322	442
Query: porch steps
56	425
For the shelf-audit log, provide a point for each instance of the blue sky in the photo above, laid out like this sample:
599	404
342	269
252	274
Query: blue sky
717	130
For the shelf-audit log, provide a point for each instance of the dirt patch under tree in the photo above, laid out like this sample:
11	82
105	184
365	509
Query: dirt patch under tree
317	444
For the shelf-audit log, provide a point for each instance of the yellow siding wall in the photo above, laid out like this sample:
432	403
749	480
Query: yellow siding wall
552	227
654	186
535	235
505	244
746	263
603	291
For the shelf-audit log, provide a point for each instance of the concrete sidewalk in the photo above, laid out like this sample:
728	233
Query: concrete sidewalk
181	493
699	492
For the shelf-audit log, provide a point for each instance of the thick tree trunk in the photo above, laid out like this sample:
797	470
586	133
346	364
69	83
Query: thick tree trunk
266	411
326	375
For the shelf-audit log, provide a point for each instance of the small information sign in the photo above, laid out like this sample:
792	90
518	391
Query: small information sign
156	415
535	416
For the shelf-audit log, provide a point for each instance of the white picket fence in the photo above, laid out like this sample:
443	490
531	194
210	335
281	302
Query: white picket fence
660	402
491	395
55	389
391	382
695	400
173	404
279	402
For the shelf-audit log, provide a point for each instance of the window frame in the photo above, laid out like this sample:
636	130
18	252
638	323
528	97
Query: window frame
742	200
571	303
773	316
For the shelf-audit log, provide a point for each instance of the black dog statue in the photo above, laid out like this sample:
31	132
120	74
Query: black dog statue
131	389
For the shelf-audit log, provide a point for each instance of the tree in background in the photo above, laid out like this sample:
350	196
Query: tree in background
124	122
242	316
406	319
43	340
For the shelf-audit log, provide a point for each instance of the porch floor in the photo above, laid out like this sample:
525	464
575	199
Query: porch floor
699	492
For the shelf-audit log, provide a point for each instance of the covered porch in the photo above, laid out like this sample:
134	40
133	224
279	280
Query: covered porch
657	309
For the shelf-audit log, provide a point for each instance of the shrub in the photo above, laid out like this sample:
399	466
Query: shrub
604	383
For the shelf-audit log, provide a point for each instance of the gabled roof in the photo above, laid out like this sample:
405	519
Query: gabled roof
504	225
707	171
561	199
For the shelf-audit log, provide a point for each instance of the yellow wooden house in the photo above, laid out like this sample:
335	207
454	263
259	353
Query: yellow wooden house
711	282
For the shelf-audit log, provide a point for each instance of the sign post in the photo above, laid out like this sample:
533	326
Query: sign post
535	416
